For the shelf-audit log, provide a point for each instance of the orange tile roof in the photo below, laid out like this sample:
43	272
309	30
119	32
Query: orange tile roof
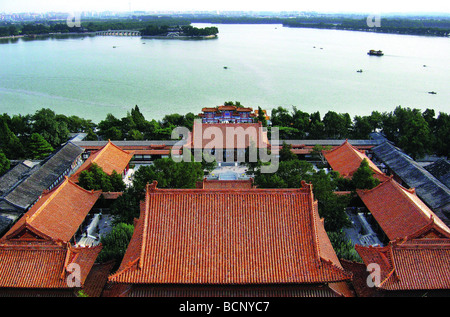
43	266
227	236
229	135
209	109
244	109
56	215
398	211
232	184
411	265
110	157
97	278
346	159
222	108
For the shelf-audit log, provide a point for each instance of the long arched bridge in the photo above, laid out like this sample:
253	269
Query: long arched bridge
119	33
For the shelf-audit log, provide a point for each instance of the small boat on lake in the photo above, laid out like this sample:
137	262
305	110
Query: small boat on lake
359	71
432	92
375	53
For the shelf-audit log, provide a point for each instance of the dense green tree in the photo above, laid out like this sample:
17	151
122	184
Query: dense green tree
91	136
5	164
408	129
115	243
300	121
262	117
331	206
337	125
343	247
135	135
169	174
126	207
20	125
38	147
362	127
281	117
95	178
110	128
442	134
363	177
54	130
375	120
289	175
316	127
286	153
9	142
75	124
138	118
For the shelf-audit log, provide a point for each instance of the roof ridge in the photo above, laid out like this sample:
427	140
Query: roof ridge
311	214
412	191
366	191
151	187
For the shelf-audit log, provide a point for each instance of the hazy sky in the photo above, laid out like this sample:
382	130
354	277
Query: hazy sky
364	6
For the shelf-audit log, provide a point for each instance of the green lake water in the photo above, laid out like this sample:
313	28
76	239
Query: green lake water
267	66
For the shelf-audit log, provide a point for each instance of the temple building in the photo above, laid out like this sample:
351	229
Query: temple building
231	139
38	255
400	213
227	114
229	242
346	159
109	157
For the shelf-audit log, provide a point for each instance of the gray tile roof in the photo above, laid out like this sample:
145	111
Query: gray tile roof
434	193
13	177
441	170
43	176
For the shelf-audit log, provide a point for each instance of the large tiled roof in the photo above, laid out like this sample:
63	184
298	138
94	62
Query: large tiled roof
226	236
346	159
110	158
57	214
43	266
227	135
398	211
410	265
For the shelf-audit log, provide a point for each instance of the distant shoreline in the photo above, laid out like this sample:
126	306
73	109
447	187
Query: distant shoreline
181	37
32	36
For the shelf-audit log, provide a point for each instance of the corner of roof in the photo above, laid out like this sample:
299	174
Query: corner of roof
431	225
127	267
345	274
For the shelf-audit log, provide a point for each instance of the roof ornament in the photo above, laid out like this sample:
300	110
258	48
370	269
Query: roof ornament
152	186
306	185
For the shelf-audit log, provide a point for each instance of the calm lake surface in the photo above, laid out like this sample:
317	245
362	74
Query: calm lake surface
267	66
